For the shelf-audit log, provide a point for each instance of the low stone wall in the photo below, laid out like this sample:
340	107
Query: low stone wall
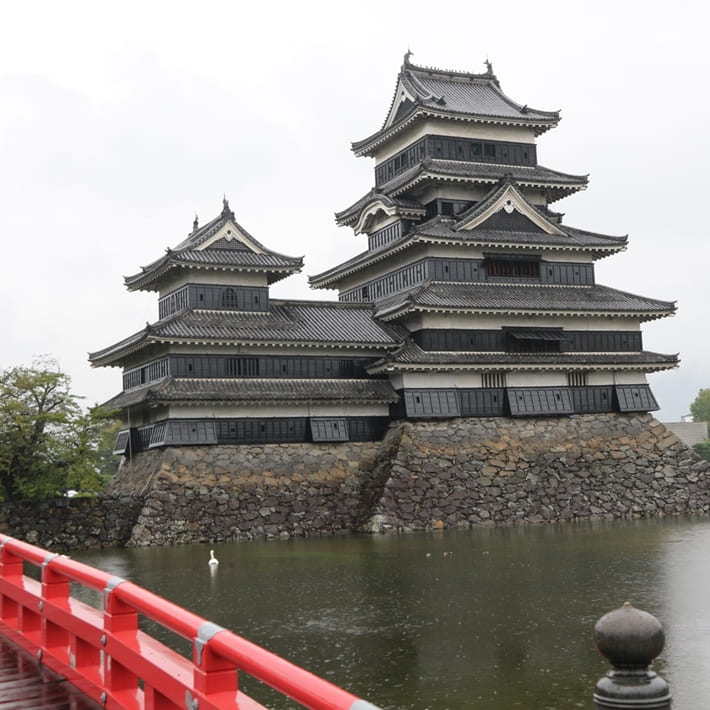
64	524
422	476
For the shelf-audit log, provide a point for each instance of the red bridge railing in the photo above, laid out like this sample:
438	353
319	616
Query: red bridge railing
106	655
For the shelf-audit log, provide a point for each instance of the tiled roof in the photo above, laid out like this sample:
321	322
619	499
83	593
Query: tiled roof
459	170
330	277
510	298
220	255
293	323
257	391
352	214
411	356
573	239
444	229
458	95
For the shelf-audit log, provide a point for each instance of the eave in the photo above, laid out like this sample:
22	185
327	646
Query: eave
248	392
396	368
522	299
436	171
368	146
473	238
411	358
406	309
151	279
359	262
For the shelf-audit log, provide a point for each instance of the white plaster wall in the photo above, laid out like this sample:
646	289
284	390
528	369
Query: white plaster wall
536	379
605	377
565	256
453	191
611	377
423	380
630	378
428	192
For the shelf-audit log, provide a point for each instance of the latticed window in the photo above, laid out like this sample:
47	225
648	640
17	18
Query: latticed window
243	367
577	379
493	380
229	298
516	268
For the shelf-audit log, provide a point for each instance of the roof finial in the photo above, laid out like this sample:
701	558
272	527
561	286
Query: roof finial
195	224
226	212
408	54
489	67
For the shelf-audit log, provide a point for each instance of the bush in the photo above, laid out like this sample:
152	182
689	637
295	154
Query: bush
703	449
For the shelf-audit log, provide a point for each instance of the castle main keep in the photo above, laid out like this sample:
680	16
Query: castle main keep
471	299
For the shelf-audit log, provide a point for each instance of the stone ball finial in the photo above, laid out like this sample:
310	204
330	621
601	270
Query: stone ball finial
629	638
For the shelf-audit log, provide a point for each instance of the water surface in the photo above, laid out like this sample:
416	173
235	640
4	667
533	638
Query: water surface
491	618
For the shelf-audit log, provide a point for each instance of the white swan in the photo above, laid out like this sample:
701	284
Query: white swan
213	560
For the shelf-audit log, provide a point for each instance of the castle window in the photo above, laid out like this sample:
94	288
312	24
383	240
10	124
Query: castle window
229	298
493	380
577	379
476	149
534	340
243	367
515	268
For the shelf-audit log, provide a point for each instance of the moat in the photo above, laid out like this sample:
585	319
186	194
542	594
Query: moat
488	618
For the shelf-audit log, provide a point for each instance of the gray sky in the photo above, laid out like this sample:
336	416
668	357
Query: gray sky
120	121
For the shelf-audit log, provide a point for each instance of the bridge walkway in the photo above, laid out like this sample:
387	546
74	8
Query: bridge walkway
25	684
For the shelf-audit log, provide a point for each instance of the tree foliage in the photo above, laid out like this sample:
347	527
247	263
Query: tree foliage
700	408
48	444
703	449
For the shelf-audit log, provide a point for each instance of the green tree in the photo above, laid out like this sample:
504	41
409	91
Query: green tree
48	444
700	408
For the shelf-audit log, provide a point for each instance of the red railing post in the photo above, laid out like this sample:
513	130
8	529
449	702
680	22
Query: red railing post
55	586
119	620
55	590
213	673
11	570
118	616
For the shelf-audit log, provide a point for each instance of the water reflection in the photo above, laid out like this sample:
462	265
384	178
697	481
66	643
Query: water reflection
491	618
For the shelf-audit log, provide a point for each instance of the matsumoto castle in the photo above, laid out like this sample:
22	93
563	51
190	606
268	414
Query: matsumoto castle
472	299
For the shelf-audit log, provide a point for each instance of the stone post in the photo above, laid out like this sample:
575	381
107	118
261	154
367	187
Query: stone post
630	639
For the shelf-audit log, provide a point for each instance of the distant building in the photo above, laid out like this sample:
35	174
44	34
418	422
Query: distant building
472	299
689	432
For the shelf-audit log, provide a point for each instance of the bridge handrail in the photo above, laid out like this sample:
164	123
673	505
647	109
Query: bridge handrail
104	653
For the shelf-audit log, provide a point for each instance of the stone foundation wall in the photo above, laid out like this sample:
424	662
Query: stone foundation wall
505	471
206	493
422	476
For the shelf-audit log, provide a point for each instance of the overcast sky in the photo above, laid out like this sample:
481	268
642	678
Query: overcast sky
121	121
